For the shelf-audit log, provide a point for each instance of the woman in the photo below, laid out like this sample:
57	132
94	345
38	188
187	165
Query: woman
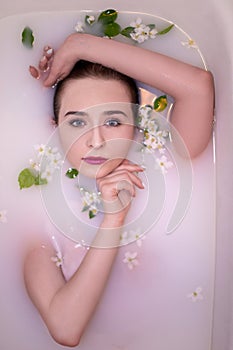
66	306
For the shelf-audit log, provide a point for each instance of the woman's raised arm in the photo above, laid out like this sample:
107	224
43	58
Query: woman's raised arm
191	87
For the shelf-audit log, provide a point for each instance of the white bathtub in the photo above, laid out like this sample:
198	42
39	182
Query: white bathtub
210	24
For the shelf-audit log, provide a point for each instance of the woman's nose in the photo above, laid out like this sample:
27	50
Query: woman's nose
95	137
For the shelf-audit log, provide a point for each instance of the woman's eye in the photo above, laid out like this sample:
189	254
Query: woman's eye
77	122
113	122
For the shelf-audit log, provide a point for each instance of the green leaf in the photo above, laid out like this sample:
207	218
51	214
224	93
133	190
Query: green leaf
166	30
26	178
112	29
85	208
108	16
72	173
151	26
160	103
127	31
27	37
91	214
40	181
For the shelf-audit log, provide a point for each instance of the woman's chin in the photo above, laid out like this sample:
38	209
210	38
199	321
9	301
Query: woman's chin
99	171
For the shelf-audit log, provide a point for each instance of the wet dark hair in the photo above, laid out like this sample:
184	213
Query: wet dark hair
86	69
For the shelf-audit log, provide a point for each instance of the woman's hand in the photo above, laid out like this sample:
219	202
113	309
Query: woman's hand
117	190
64	59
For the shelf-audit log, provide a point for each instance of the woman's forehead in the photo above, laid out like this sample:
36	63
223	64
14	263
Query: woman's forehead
105	90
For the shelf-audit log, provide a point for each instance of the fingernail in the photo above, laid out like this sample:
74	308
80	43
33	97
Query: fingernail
43	59
43	63
34	72
49	53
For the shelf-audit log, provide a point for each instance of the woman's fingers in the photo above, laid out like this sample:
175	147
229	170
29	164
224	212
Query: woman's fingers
116	194
112	184
127	175
64	60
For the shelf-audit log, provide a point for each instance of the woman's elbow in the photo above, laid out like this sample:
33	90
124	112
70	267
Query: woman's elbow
206	85
66	336
66	339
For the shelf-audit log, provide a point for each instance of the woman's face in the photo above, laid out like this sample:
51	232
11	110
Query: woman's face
96	124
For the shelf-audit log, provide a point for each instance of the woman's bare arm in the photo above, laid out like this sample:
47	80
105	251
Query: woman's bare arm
66	307
192	88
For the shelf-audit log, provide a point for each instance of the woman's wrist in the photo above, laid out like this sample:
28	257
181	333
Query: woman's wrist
113	220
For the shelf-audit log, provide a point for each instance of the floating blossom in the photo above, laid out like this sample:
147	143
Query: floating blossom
40	149
190	43
124	238
79	27
47	174
154	138
132	236
34	165
140	35
138	237
91	202
3	218
41	169
146	121
56	161
164	164
51	161
137	23
142	32
131	260
58	259
90	19
154	141
152	33
196	295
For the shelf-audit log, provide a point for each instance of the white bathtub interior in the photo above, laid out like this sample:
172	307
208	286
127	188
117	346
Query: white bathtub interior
210	25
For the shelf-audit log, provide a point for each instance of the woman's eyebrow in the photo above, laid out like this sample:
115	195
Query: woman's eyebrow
79	113
114	112
105	113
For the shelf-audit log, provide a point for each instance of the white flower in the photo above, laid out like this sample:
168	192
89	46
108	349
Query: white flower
138	237
124	238
56	161
144	116
130	259
139	37
152	33
79	27
34	165
196	295
58	259
3	218
40	149
141	31
90	201
152	142
47	173
91	198
52	161
137	23
90	19
50	152
189	44
164	164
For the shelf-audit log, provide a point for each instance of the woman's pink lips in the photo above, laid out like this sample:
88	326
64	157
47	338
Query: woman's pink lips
94	160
